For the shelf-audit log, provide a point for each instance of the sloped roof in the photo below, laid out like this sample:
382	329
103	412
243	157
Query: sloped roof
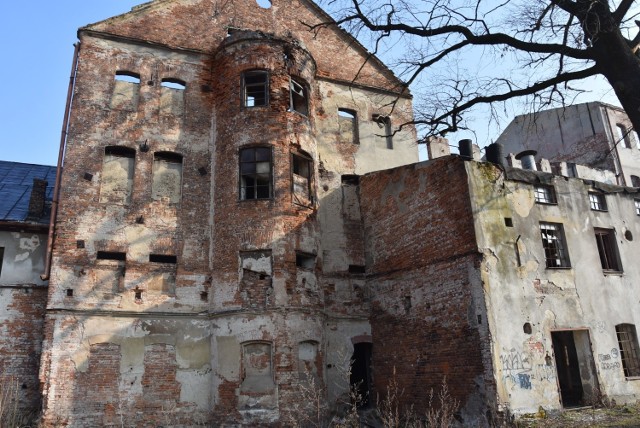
16	182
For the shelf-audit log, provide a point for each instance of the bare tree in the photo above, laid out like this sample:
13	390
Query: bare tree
535	49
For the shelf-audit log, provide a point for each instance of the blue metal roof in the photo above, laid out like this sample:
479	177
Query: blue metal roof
16	182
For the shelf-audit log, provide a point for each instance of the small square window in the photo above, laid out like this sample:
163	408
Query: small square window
545	195
608	250
637	204
597	201
553	242
255	86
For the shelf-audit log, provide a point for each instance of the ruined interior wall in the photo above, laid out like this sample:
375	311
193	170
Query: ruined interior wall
629	151
428	318
582	297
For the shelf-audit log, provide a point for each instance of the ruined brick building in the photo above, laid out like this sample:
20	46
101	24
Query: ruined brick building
236	217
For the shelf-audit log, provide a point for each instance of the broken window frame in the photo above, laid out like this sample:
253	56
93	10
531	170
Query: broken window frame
384	122
608	249
545	195
597	201
244	164
168	157
554	246
629	350
298	97
297	159
254	88
353	115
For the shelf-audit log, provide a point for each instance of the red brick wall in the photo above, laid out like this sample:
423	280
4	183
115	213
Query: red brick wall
427	318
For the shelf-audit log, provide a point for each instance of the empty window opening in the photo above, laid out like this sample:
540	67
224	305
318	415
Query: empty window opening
257	372
636	202
172	83
350	179
348	125
163	258
167	176
299	101
1	259
527	328
137	294
88	176
265	4
608	250
127	76
635	181
126	91
628	343
545	195
508	221
356	269
624	138
305	260
80	243
384	123
255	85
204	296
302	167
116	183
111	255
360	378
255	173
69	292
597	201
553	242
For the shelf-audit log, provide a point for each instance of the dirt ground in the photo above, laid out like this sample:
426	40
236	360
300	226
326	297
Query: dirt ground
619	416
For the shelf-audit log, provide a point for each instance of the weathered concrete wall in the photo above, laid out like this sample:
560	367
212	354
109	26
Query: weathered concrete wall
527	302
23	297
428	315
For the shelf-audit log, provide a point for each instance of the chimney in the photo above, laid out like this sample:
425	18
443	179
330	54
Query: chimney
437	147
494	154
36	201
528	159
465	147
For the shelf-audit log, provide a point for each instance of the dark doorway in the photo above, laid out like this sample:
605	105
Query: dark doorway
575	366
361	372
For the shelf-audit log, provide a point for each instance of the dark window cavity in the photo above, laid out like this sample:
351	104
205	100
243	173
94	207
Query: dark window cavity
302	167
636	202
348	125
628	343
1	259
608	250
545	195
597	201
255	173
163	258
384	123
255	88
167	177
553	242
299	98
635	181
305	260
111	255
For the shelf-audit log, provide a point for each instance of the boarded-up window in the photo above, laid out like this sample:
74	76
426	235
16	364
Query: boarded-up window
348	124
167	177
126	91
302	167
257	368
117	175
172	96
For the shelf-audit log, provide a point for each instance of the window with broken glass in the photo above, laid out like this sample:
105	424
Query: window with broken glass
302	167
545	195
299	100
629	355
553	242
255	173
255	86
597	201
608	250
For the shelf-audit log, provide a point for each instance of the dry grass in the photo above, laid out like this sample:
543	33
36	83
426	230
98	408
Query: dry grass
11	415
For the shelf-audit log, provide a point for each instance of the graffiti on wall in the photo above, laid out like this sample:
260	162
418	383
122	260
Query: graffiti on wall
523	368
608	361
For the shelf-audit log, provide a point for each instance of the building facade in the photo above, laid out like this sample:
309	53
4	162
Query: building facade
593	134
209	249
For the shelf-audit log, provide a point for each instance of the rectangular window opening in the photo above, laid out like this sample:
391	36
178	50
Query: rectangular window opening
299	101
255	85
348	126
356	269
624	139
350	179
163	258
597	201
545	195
637	205
608	250
553	242
305	260
629	355
111	255
384	123
255	173
302	169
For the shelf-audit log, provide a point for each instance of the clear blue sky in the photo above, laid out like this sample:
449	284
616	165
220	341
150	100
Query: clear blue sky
37	52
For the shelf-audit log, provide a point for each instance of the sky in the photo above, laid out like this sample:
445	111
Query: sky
37	56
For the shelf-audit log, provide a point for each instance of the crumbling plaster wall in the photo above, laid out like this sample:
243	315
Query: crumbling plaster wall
628	152
580	297
428	316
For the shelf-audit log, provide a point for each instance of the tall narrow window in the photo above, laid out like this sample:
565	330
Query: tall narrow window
299	100
172	96
384	123
597	201
545	195
636	202
255	88
255	173
1	259
623	136
628	343
116	182
302	167
126	91
167	176
554	246
348	125
608	250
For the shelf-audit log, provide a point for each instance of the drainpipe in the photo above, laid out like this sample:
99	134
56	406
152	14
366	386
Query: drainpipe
63	142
